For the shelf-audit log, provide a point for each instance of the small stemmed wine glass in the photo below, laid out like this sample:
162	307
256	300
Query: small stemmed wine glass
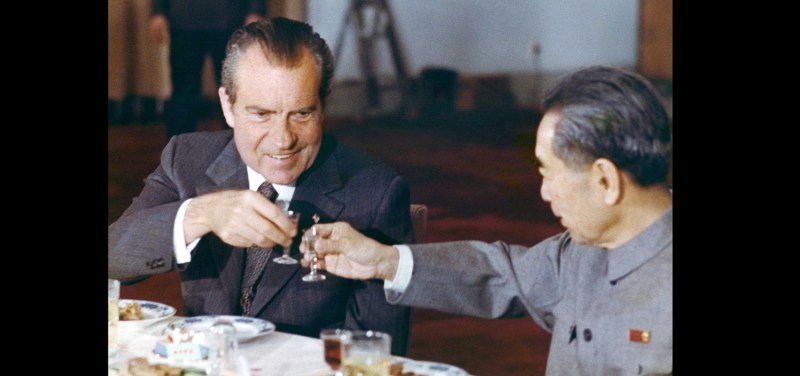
294	217
310	236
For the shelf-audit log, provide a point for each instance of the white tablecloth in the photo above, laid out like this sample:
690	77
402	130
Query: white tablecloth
275	353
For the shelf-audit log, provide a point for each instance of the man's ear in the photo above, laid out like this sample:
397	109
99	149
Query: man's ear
227	106
607	178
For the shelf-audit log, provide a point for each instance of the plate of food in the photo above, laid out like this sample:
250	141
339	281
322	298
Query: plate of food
408	367
247	328
139	314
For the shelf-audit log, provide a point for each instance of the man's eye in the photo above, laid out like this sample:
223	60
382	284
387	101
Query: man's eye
304	115
260	114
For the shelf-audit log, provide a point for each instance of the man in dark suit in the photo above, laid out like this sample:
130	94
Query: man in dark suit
196	213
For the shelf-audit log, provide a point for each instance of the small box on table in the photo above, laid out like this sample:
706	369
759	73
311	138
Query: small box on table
181	350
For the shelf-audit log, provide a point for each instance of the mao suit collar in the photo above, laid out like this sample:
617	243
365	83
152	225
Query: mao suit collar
637	251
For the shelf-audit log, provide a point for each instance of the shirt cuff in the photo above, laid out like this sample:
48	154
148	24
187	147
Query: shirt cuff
183	252
404	268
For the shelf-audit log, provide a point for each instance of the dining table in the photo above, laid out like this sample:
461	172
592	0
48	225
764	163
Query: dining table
274	353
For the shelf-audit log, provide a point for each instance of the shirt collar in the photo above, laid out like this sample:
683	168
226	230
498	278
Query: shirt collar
254	179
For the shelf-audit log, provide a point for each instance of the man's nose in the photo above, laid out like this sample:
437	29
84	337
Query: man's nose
281	133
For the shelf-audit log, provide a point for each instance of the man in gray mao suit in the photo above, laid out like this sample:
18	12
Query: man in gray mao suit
199	211
603	288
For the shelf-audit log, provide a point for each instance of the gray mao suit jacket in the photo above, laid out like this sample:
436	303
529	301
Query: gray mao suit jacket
342	185
609	312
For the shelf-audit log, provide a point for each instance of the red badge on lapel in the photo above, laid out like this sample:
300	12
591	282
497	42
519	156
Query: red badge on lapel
641	336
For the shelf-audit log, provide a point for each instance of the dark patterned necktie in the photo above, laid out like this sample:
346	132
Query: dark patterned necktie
256	259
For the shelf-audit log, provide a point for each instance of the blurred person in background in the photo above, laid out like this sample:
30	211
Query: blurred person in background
196	29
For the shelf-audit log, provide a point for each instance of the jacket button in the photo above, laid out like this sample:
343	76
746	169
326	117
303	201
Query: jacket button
156	263
587	335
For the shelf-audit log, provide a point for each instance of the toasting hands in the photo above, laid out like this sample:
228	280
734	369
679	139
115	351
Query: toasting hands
347	253
241	218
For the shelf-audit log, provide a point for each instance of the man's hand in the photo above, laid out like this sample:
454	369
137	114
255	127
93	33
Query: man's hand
347	253
241	218
159	28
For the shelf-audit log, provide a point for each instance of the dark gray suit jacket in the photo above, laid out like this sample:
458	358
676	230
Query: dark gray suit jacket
342	185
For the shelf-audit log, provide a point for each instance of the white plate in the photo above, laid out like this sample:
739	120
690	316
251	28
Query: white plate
247	328
431	368
153	312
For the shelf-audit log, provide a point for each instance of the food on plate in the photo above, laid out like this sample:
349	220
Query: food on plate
396	369
131	311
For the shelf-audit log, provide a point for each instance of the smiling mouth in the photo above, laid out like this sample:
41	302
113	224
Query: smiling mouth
281	156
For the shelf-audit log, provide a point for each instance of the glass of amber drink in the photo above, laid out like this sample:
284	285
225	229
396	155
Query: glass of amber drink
334	341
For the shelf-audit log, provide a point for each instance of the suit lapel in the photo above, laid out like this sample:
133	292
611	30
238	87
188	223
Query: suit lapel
228	172
275	277
317	192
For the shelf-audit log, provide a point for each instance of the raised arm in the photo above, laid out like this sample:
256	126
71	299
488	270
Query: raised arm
348	253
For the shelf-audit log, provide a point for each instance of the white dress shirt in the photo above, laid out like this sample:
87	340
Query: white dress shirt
403	275
183	251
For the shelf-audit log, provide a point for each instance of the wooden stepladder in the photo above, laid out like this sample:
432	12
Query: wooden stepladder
372	21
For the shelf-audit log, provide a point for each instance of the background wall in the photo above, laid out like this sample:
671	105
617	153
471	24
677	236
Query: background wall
485	38
527	43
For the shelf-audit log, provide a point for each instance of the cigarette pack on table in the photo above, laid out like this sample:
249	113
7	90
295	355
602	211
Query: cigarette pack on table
181	350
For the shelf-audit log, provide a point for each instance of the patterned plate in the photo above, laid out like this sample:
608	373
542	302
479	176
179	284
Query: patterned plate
247	328
430	368
153	312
